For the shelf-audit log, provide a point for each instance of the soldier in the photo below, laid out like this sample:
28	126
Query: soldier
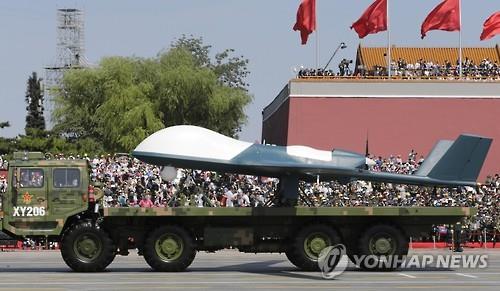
458	237
495	233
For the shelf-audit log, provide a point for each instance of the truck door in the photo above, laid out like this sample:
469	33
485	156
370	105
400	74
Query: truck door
66	191
29	202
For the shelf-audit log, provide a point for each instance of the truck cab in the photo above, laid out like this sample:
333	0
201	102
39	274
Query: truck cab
43	194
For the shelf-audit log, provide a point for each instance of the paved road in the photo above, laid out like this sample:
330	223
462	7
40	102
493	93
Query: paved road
232	270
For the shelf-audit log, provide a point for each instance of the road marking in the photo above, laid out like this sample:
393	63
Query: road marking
406	275
466	275
253	283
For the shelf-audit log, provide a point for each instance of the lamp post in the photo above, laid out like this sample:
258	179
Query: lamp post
342	45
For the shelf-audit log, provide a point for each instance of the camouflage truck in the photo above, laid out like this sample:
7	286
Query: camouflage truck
56	201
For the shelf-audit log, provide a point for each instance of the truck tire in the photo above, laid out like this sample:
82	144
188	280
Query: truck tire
308	244
169	249
290	254
382	247
86	248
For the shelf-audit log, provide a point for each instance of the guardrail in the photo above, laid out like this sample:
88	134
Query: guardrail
471	239
406	78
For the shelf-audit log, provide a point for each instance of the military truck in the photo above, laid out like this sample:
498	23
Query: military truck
55	200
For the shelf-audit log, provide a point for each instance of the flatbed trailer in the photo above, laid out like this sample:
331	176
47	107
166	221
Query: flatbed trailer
290	230
349	221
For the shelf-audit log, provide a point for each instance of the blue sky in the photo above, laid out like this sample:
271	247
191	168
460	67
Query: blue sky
260	30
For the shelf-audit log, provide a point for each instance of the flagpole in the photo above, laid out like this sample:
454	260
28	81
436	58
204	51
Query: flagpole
389	58
317	48
317	37
460	68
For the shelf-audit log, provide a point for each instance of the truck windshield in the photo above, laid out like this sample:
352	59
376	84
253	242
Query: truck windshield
66	178
31	178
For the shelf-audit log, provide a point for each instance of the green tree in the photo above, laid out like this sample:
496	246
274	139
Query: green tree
4	143
125	99
230	70
35	122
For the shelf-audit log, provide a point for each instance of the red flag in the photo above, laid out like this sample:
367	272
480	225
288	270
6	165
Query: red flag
491	26
446	16
306	19
373	20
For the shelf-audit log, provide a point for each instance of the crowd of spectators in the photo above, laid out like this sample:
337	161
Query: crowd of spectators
3	177
486	69
344	70
421	69
3	163
306	72
3	184
128	182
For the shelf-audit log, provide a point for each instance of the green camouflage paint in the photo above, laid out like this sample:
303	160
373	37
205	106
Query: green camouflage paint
291	211
42	209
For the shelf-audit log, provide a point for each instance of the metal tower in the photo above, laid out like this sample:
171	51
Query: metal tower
70	46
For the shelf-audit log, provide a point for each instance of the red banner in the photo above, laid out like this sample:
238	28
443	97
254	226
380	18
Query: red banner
373	20
491	26
446	16
306	19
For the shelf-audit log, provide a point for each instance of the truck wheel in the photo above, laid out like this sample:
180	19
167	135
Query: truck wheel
383	248
290	254
169	249
86	248
352	248
309	243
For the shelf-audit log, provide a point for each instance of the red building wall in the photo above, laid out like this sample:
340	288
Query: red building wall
275	128
393	125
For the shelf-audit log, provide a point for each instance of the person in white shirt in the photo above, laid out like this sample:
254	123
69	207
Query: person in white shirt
229	198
